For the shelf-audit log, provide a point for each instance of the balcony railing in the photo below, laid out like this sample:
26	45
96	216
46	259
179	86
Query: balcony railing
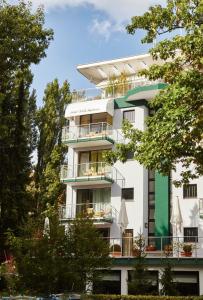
97	170
110	91
160	247
89	131
98	211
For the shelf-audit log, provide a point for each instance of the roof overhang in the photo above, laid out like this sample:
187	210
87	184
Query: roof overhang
90	107
101	71
145	92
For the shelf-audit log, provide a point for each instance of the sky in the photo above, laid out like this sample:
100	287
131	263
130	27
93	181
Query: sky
86	31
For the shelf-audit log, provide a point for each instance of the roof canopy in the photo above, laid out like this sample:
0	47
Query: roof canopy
101	71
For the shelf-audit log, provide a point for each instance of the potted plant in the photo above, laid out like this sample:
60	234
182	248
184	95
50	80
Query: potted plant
115	250
168	250
187	250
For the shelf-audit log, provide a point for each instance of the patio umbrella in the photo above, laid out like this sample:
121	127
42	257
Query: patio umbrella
123	217
176	216
46	230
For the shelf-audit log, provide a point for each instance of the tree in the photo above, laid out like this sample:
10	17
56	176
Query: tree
140	283
23	42
174	132
70	256
16	145
168	286
23	39
51	151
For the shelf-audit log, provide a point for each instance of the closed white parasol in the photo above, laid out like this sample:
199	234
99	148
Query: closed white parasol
176	216
123	217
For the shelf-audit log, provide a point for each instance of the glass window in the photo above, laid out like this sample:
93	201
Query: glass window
151	186
190	234
128	194
151	227
151	199
151	174
130	155
129	115
151	213
190	191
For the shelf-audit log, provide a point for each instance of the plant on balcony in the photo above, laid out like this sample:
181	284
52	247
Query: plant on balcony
117	85
115	250
187	250
168	250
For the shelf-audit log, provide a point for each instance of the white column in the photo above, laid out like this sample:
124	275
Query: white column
201	282
124	282
160	273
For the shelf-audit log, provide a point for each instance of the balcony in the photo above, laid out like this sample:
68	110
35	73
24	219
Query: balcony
111	90
94	134
91	173
102	213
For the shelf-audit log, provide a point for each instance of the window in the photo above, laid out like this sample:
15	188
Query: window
190	191
129	115
130	155
190	234
128	194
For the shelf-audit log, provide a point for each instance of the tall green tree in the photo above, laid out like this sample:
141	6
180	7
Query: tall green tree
51	151
16	145
23	42
140	284
23	39
174	133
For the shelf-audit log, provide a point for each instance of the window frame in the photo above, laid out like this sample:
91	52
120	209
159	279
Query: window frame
126	111
128	199
187	194
190	238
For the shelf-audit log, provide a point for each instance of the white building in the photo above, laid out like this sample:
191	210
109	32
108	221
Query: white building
95	120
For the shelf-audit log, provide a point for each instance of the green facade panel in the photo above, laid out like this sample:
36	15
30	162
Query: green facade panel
162	205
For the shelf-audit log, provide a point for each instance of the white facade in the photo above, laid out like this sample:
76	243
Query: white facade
93	187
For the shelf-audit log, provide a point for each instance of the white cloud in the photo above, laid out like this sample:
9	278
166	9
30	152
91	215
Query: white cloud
118	12
105	28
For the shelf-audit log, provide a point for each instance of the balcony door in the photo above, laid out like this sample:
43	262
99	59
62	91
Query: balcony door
93	200
90	163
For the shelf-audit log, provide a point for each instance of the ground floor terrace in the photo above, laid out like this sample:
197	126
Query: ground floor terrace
187	276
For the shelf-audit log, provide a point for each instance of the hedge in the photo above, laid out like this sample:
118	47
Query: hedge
137	297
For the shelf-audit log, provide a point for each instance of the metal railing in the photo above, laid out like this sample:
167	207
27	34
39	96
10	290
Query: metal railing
161	247
110	91
102	211
91	169
86	131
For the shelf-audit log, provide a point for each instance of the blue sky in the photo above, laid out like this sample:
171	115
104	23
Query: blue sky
86	31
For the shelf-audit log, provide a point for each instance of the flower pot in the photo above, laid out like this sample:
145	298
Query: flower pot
151	248
186	254
116	254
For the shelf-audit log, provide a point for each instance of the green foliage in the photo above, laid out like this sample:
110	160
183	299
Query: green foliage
17	136
168	286
23	39
174	133
51	151
61	261
23	42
